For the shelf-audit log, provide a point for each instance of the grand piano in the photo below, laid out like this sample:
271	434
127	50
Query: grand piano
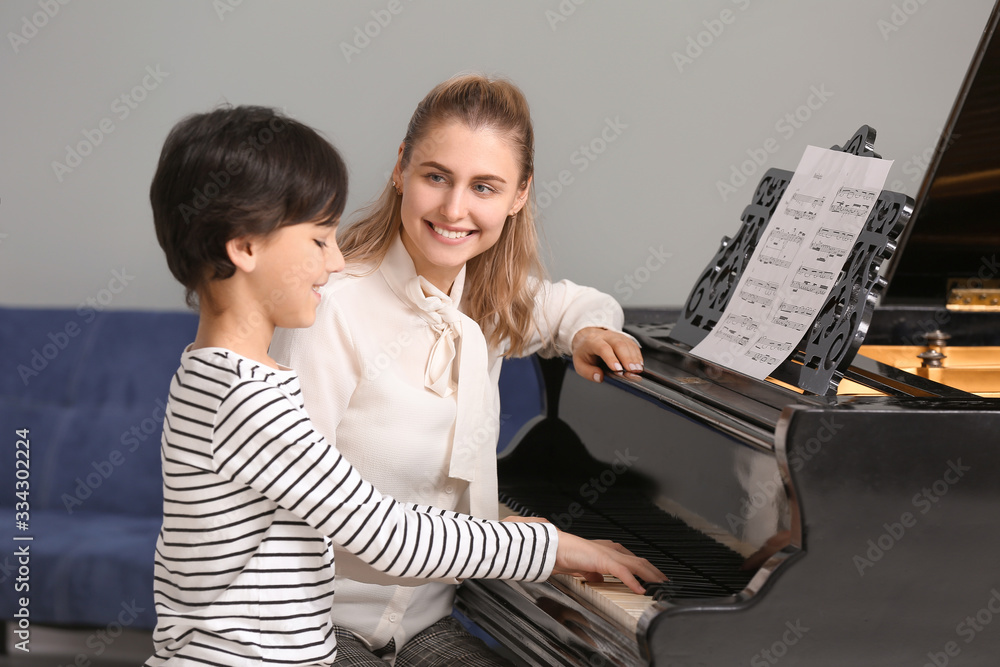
845	511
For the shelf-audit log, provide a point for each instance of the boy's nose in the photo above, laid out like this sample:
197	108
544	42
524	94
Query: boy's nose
334	258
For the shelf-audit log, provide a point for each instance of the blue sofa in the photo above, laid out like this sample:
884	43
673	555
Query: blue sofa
90	388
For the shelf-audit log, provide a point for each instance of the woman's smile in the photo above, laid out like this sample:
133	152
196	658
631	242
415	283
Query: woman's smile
450	234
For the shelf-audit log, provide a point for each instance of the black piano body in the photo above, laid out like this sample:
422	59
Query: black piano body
885	509
845	518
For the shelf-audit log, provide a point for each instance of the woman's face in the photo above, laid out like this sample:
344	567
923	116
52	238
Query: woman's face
458	189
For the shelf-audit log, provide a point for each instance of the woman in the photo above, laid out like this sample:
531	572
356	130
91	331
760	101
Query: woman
401	368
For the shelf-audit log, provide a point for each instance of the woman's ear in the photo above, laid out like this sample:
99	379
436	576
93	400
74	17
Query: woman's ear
397	171
242	253
522	197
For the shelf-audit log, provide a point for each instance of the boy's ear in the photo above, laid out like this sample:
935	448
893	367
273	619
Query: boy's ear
242	253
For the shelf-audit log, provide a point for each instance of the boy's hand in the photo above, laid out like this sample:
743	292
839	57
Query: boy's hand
593	559
526	519
619	352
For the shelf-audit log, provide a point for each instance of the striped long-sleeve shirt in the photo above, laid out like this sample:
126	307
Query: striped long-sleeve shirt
253	497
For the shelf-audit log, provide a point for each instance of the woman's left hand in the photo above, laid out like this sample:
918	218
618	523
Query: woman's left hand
619	352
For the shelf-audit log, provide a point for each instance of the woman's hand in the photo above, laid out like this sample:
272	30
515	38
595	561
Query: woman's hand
593	559
618	352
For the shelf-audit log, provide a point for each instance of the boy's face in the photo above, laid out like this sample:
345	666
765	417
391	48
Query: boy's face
292	264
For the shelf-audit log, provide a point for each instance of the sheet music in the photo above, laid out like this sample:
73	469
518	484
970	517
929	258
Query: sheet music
800	255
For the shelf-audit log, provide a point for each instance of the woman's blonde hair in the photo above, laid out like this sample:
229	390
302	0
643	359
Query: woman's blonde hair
499	292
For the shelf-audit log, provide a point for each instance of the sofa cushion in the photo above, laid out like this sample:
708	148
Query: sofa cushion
85	357
86	459
522	397
87	569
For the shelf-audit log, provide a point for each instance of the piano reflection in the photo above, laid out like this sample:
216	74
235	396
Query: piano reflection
845	511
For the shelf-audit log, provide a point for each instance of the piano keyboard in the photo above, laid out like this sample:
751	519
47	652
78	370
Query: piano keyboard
612	599
697	565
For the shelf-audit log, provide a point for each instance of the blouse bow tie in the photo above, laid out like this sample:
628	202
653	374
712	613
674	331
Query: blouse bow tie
446	321
457	364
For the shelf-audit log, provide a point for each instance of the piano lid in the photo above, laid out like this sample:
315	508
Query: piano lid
953	232
898	260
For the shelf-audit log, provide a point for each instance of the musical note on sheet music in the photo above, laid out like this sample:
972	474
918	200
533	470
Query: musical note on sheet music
788	278
738	329
812	280
784	321
765	343
759	292
832	243
803	206
762	358
854	201
795	309
780	247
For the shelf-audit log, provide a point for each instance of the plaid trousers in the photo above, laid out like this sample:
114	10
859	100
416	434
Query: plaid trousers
445	643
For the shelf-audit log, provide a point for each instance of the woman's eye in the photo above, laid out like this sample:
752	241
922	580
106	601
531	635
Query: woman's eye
321	244
483	189
435	178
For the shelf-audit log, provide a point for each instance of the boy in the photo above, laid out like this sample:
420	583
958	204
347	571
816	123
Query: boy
245	203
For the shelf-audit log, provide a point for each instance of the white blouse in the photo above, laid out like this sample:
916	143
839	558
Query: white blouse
405	385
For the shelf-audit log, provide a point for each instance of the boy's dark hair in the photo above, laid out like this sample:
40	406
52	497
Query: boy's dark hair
233	172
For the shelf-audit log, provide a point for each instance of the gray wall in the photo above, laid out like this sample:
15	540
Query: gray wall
671	98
